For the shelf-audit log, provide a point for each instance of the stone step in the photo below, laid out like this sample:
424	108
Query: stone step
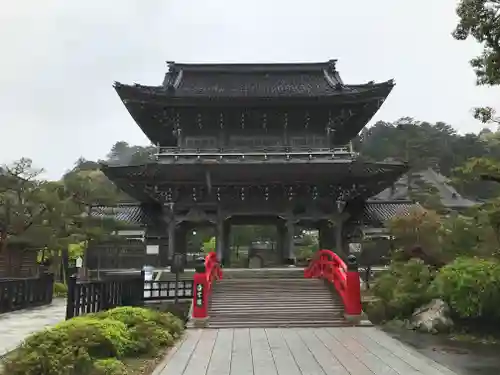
264	273
269	293
288	306
269	298
285	301
316	289
280	324
282	317
261	303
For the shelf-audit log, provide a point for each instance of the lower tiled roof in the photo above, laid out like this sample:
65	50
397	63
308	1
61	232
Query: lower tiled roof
376	212
380	212
128	213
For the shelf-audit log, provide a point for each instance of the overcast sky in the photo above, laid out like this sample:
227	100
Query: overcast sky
59	59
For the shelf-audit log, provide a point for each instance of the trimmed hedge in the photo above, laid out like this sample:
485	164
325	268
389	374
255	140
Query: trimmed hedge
95	343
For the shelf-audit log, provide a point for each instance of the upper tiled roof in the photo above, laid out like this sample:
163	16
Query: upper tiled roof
254	80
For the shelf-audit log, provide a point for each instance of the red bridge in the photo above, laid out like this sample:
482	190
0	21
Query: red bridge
326	293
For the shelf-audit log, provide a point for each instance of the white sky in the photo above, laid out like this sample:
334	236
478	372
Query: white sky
59	59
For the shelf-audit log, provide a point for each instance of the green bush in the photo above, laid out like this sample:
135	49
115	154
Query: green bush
102	338
150	329
401	289
109	366
60	290
70	347
471	286
149	337
132	316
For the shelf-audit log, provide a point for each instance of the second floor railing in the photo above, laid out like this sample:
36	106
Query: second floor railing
268	152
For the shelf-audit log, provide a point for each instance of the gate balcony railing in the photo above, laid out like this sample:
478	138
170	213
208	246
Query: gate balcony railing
177	153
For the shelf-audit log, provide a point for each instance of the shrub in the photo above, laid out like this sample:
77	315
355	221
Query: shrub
132	316
92	344
70	347
402	288
150	330
149	337
48	352
101	338
109	366
471	286
60	290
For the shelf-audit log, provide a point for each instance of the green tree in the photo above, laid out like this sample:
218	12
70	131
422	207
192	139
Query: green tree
480	19
25	202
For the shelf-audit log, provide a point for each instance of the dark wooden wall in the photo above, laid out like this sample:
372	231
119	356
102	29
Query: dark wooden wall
18	262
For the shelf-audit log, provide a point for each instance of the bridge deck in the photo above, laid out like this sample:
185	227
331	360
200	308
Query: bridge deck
295	351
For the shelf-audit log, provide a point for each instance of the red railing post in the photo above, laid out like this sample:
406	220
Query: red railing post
201	288
353	306
207	271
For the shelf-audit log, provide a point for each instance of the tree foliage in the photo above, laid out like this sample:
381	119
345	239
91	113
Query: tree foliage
480	19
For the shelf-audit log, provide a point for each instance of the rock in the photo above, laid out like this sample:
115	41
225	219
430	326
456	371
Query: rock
433	317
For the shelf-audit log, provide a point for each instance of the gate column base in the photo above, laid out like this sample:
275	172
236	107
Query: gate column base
354	319
198	322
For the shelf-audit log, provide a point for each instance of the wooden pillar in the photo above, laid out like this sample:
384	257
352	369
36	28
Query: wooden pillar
281	241
226	251
171	240
181	238
326	235
289	250
338	237
219	238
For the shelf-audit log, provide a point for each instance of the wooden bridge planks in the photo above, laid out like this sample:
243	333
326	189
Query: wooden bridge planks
297	351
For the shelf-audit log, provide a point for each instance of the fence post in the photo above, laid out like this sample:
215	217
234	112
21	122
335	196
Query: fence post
70	300
139	290
353	308
49	285
199	314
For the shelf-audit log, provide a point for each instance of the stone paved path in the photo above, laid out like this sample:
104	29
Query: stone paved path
295	351
16	326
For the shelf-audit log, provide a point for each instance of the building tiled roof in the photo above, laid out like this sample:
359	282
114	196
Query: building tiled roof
254	80
448	195
128	213
371	177
380	212
374	213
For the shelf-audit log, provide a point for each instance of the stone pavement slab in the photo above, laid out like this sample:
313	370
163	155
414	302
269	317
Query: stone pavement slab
17	325
296	351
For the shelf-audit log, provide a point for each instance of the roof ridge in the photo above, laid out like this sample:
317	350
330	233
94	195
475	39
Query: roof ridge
253	67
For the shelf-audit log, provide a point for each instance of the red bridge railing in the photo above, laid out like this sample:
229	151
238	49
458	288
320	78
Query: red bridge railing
345	278
203	280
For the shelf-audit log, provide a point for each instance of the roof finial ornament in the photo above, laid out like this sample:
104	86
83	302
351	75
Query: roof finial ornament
332	65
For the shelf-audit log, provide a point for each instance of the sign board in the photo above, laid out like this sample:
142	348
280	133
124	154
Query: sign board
354	248
199	295
152	249
79	262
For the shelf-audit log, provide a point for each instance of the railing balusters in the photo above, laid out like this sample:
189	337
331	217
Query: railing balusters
17	294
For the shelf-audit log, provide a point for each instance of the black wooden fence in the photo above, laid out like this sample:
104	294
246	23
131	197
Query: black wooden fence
22	293
128	290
